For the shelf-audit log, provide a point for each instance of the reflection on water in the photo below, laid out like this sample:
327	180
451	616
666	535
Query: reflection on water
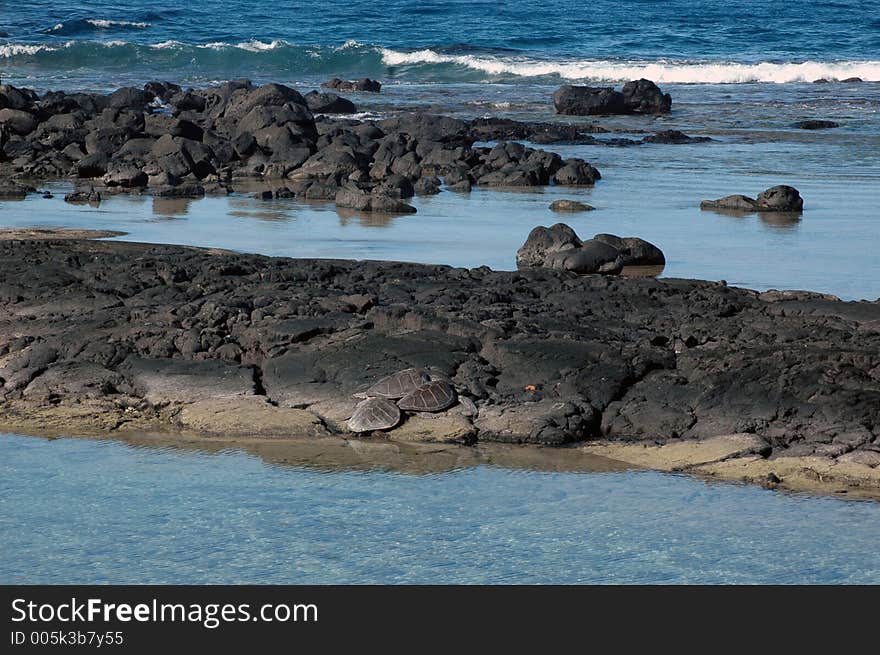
84	511
412	458
642	271
171	206
366	219
653	192
784	220
261	215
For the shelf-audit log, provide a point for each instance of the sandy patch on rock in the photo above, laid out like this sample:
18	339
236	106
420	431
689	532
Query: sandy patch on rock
46	234
250	416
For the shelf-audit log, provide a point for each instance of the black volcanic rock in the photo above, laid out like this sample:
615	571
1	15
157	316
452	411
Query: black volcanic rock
363	84
589	101
558	247
635	251
546	356
780	198
644	97
815	124
329	103
638	96
236	130
674	137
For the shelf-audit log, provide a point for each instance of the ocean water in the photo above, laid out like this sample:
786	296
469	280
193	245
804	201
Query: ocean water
740	72
81	511
709	41
832	249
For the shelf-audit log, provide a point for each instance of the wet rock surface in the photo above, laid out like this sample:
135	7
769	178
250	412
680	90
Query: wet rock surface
558	247
186	143
816	124
637	97
117	333
363	84
780	198
570	206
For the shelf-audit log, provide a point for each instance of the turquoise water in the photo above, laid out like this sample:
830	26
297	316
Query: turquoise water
739	72
82	511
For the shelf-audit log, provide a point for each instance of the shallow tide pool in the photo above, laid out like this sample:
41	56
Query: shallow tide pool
83	511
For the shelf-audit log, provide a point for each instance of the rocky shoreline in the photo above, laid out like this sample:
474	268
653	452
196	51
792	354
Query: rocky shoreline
780	388
175	142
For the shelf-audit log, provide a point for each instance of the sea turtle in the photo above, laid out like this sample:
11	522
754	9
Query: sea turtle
398	385
374	414
431	397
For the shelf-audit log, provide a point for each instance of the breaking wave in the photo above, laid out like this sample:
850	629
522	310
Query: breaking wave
670	72
284	60
87	25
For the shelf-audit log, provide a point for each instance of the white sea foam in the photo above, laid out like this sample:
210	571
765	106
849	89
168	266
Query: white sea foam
259	46
100	23
249	46
348	45
660	71
104	23
595	71
18	49
165	45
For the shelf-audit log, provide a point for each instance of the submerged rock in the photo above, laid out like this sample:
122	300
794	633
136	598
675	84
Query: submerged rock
674	137
363	84
638	96
544	241
181	191
780	198
634	251
570	206
379	200
84	196
644	97
592	256
589	101
558	247
735	202
9	191
815	124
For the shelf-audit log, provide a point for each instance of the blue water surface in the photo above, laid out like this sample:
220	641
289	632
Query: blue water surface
436	42
740	72
82	511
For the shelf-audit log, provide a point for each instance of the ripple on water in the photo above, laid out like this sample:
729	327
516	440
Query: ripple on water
100	511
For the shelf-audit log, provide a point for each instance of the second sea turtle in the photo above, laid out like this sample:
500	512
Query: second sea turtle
400	384
374	414
431	397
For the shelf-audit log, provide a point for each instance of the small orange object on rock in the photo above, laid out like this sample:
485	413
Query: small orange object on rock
531	387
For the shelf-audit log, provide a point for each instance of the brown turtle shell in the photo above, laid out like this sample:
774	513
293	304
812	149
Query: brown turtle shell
431	397
374	414
400	384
